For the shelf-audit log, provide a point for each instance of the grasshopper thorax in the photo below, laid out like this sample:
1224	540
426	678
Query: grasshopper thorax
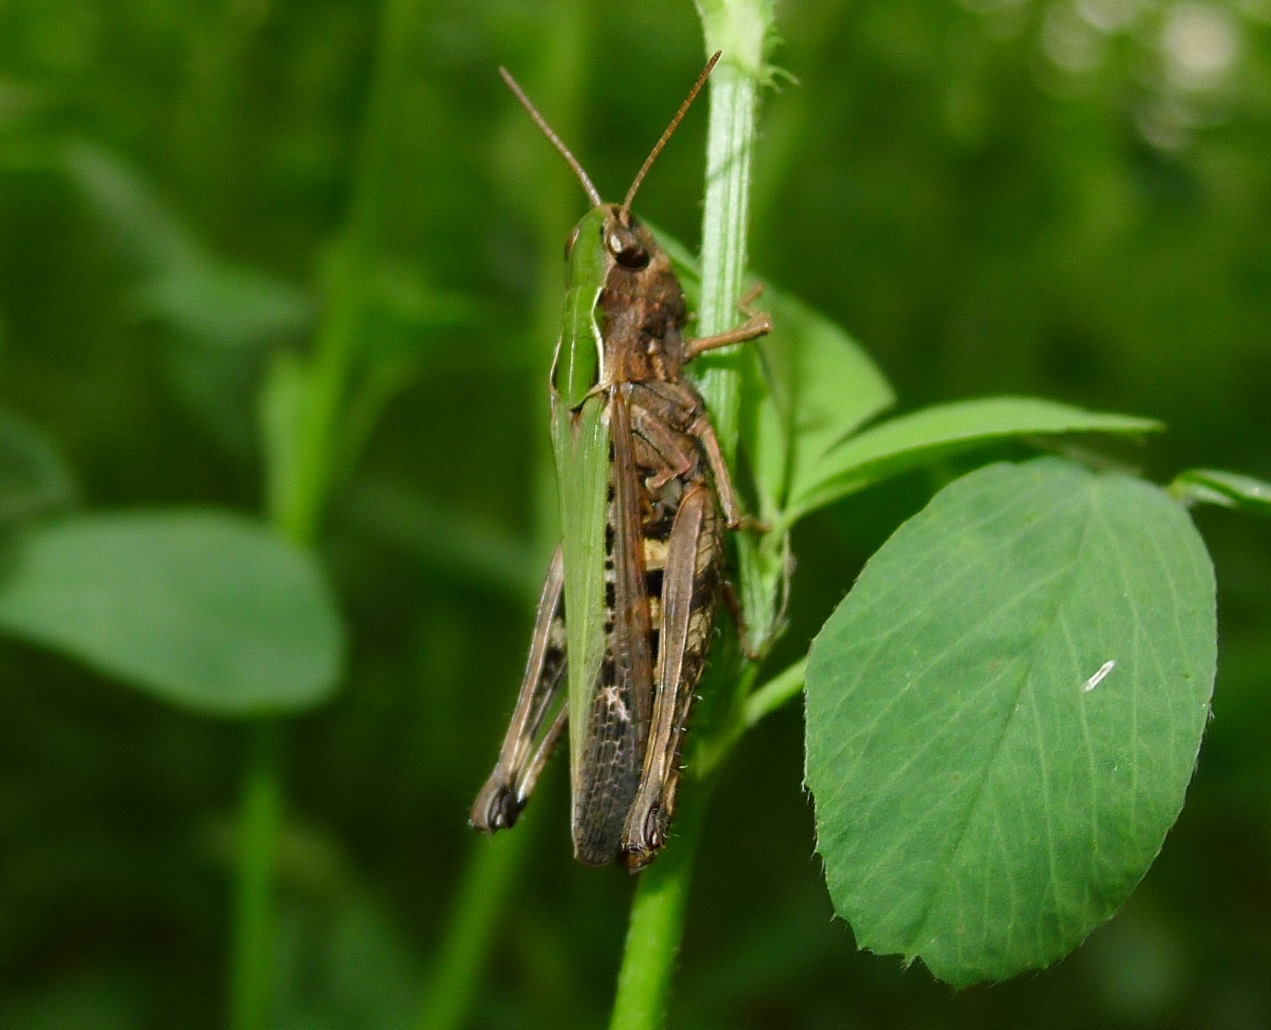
625	308
641	308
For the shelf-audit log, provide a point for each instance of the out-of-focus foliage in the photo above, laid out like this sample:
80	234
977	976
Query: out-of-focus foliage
206	610
1064	198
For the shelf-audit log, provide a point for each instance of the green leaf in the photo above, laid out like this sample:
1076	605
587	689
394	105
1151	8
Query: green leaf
205	609
1228	489
816	387
33	476
1004	714
203	297
822	388
146	231
903	443
221	304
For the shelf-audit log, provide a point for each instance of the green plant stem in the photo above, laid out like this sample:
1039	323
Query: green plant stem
778	691
347	276
739	29
299	510
730	137
295	513
487	884
657	919
260	817
657	912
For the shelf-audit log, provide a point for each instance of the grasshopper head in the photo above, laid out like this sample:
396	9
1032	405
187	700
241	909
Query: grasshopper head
626	240
640	306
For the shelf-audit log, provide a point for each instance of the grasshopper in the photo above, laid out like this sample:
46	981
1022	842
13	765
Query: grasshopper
627	611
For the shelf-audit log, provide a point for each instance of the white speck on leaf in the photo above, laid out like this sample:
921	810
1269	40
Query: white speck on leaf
1099	675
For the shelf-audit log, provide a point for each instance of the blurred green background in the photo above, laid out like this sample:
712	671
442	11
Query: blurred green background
1069	198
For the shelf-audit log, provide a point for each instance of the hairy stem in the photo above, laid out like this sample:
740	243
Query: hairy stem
738	28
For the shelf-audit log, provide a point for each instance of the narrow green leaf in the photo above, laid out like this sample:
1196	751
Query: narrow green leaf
1004	714
823	387
205	609
1229	489
146	231
906	442
808	385
222	304
197	294
282	405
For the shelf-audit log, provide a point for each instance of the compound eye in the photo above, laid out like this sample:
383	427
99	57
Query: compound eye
569	243
626	248
628	252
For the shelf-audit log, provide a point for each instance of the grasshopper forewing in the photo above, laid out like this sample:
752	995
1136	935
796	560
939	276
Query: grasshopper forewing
627	611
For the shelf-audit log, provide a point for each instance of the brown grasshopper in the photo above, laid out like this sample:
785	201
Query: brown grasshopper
618	393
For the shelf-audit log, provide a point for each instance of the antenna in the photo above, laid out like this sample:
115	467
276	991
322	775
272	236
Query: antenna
592	194
670	129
